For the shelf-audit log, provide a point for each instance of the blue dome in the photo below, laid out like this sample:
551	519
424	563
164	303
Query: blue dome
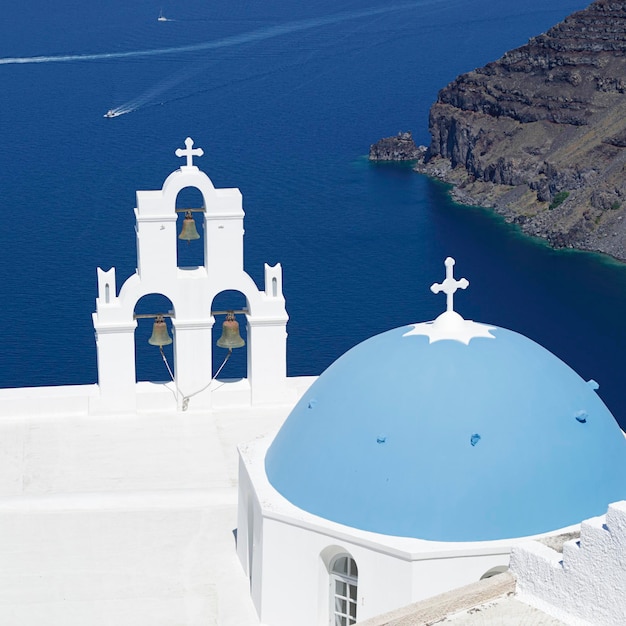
450	441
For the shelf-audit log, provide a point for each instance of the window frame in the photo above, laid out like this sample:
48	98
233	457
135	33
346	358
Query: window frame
338	616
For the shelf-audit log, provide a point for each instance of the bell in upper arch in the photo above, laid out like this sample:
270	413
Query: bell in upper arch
160	337
189	230
230	333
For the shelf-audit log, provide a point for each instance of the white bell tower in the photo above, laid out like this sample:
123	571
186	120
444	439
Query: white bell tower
191	291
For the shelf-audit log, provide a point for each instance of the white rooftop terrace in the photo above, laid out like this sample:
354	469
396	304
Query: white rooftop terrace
124	519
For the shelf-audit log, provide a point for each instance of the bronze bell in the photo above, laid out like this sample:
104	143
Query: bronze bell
189	230
160	337
230	333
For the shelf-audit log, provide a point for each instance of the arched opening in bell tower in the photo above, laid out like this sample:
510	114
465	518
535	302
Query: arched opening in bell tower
190	228
237	365
149	362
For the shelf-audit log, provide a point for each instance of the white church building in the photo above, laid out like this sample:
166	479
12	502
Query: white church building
413	465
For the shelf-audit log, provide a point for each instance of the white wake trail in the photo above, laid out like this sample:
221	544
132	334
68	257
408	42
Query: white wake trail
234	40
148	96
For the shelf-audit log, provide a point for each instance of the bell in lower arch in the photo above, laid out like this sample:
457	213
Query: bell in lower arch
189	230
160	337
230	333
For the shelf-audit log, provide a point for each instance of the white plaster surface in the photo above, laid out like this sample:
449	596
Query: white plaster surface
123	520
586	584
450	325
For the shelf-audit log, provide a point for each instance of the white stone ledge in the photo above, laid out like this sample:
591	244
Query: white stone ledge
120	501
50	401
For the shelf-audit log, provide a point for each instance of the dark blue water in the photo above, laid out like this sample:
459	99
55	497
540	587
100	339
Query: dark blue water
285	99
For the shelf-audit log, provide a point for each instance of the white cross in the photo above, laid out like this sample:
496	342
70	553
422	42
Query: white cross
449	285
189	152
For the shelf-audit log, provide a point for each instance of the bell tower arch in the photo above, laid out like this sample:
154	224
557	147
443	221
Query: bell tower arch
191	291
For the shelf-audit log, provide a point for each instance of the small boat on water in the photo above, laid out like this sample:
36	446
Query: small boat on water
111	113
161	17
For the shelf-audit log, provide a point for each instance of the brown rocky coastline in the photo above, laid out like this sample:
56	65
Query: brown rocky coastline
401	147
540	134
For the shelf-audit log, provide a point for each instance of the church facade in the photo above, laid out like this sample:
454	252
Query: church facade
388	485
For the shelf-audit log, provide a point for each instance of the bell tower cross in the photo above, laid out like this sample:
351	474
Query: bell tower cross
189	151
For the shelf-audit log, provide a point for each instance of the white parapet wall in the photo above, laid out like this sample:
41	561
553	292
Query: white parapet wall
586	584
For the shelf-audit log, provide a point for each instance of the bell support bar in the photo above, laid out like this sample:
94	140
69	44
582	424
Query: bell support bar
138	316
200	210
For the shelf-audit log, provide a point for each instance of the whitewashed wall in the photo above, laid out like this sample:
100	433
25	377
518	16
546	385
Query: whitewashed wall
292	549
586	584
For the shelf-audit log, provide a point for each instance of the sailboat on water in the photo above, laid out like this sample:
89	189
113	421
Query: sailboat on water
161	17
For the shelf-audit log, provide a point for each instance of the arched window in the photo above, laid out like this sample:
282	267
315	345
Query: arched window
343	589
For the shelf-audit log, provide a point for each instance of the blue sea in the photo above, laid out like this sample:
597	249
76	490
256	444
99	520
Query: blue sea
285	99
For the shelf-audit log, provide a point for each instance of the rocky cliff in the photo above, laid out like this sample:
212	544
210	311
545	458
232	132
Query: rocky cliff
540	134
399	148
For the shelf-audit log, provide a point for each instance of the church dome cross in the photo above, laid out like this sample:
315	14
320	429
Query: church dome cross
451	325
450	284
